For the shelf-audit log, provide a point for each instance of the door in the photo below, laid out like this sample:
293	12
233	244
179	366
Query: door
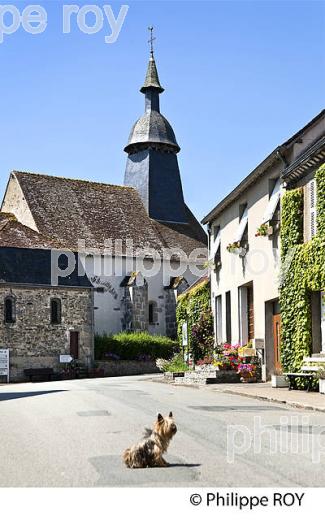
250	312
74	344
276	341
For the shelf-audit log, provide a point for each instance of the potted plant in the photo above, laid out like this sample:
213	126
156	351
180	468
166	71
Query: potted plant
233	247
247	372
321	376
262	230
279	380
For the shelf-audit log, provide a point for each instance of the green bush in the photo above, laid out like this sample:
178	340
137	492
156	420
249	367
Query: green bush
177	364
140	346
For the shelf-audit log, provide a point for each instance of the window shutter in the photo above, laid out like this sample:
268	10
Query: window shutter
273	202
242	226
312	206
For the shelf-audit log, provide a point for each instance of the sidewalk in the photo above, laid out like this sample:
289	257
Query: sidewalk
264	391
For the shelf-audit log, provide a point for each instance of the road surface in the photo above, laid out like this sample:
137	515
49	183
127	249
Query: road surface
72	433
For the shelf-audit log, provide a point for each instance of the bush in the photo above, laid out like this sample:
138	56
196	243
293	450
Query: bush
139	346
177	364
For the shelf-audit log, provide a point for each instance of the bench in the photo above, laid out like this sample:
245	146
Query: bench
307	372
41	374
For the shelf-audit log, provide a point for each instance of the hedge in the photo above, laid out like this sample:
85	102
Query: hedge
140	346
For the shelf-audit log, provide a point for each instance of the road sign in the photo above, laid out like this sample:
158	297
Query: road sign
65	358
184	334
4	362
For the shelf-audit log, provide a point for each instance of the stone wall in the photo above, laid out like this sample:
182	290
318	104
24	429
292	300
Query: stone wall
33	341
127	368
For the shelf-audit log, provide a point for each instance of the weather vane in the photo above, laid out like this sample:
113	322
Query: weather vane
152	39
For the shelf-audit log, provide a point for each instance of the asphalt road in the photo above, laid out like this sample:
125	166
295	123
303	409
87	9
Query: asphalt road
72	433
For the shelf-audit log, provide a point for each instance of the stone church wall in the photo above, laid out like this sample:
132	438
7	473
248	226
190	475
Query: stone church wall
33	341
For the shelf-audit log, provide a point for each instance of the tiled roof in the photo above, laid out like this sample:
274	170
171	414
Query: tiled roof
71	209
15	234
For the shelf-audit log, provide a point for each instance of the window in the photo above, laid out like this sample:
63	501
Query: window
9	310
228	317
273	201
153	313
218	312
55	311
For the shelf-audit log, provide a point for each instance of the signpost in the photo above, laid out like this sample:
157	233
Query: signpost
65	358
4	362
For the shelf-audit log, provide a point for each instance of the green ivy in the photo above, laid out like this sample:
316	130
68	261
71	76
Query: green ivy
304	272
190	306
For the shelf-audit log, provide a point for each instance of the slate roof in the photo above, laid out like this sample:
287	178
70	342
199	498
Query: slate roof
69	209
15	234
152	78
33	267
152	128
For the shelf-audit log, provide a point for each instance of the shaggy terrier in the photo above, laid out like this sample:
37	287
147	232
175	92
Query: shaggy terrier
148	453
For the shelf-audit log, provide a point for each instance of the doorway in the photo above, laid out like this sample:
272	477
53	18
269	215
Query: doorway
74	344
277	341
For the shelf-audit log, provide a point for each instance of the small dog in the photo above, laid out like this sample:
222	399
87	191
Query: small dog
148	452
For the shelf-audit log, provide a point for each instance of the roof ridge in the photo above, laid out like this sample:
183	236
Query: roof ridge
20	172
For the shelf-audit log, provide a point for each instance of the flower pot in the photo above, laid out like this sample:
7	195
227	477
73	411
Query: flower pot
279	381
248	379
322	386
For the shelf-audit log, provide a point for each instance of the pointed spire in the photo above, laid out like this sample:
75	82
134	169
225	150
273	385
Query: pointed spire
152	78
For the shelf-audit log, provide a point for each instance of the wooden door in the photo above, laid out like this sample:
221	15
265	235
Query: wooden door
250	312
276	341
74	344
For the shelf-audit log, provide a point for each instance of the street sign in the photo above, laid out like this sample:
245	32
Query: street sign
184	334
65	358
4	362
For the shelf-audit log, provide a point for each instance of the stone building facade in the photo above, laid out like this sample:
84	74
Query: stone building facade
40	322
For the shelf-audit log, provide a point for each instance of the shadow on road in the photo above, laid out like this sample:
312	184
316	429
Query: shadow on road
236	408
184	465
4	396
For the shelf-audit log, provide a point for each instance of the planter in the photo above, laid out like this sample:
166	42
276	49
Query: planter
322	386
173	375
248	379
279	381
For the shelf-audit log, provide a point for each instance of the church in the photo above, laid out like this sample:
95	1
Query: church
138	244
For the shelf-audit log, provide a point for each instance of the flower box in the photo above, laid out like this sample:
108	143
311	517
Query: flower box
322	386
279	381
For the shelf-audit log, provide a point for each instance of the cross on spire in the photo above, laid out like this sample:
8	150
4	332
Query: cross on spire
152	38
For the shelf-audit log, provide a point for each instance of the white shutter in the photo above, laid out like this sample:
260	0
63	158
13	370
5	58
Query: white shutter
273	202
322	318
215	244
312	206
242	226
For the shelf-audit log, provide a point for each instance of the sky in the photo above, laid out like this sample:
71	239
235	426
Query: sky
240	77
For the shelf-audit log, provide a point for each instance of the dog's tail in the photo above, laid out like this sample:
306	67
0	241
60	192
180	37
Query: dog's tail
127	457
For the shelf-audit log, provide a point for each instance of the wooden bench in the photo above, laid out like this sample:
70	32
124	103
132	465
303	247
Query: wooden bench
41	374
307	372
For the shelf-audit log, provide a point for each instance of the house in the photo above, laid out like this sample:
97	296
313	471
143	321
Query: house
40	321
133	240
244	247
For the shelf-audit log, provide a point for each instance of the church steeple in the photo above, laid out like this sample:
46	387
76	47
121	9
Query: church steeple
152	166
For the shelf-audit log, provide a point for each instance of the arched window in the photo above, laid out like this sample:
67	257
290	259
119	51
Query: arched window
152	313
55	311
9	310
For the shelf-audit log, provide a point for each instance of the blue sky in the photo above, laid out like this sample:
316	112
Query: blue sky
240	78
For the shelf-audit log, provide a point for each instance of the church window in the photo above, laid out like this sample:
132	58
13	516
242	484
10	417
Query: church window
55	311
9	310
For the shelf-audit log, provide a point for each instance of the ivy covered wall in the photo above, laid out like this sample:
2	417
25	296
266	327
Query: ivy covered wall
191	306
303	267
